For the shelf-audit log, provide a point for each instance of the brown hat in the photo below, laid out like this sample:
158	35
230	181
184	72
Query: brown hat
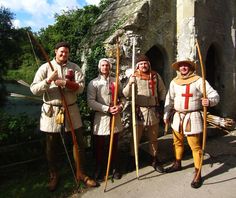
142	57
177	64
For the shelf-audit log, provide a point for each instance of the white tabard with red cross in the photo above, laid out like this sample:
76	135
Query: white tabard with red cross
185	99
186	96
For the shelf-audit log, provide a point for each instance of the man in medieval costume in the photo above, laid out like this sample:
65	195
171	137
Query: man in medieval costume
150	94
100	97
183	106
69	77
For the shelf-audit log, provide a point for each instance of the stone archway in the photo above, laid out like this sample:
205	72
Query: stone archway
213	61
157	58
213	64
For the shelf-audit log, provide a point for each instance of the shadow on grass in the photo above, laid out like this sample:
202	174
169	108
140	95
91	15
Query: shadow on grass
31	180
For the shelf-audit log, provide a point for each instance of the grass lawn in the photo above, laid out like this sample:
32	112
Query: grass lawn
29	181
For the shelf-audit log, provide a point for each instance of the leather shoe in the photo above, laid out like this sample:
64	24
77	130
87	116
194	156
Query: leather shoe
53	181
176	166
197	180
117	175
196	183
89	182
131	163
156	164
99	176
159	168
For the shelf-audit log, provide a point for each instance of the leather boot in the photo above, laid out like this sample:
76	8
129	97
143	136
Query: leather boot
88	182
197	180
116	174
176	166
156	164
53	181
131	163
99	175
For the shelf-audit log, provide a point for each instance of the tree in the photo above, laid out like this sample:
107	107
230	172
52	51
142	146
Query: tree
22	63
5	44
15	52
71	26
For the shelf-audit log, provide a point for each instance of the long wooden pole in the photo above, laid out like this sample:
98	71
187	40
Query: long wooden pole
79	174
204	109
134	124
113	116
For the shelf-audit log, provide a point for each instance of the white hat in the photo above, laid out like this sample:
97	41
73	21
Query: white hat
104	59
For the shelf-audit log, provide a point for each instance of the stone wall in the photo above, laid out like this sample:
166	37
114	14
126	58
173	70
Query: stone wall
216	27
166	31
151	22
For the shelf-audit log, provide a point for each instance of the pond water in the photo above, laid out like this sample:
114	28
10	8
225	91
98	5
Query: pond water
19	105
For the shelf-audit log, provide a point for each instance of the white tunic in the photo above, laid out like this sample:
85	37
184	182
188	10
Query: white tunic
184	101
99	99
51	95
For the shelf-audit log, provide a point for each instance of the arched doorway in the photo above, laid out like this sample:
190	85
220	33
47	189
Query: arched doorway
213	62
157	58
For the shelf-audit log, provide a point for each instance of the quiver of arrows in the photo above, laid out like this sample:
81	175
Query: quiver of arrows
219	122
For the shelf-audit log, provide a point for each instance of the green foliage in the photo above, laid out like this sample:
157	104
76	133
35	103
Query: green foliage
15	52
16	129
71	26
25	63
97	52
25	72
5	44
104	3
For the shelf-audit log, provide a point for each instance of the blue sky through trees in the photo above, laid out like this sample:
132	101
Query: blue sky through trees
39	14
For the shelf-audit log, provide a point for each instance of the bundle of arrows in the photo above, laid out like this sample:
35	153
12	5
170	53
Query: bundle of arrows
226	124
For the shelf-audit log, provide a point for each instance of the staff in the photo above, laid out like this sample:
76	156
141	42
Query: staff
115	103
134	113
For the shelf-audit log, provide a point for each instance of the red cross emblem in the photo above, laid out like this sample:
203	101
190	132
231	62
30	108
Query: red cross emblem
152	83
187	95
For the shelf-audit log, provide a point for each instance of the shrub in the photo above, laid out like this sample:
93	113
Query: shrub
17	128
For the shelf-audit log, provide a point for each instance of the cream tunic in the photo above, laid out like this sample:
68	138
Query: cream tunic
99	99
186	103
146	101
51	95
